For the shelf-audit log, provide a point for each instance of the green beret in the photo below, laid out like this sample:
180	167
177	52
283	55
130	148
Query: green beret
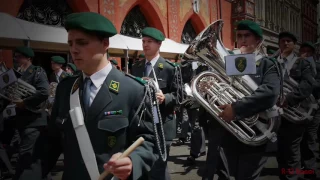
141	56
251	26
153	33
26	51
270	51
72	66
308	44
287	34
114	62
58	59
90	22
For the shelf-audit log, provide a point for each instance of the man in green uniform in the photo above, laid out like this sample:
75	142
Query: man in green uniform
225	152
309	145
109	101
30	124
163	71
290	133
56	64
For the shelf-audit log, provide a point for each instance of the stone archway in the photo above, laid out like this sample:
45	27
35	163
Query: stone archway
133	23
188	33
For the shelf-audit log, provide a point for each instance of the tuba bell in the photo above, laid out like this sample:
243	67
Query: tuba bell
214	88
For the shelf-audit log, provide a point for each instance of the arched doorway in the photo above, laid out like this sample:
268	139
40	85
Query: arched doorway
47	12
132	26
133	23
188	33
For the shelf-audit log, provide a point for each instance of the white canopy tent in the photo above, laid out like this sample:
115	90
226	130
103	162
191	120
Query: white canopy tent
16	32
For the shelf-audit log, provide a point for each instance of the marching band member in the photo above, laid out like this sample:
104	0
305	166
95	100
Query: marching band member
109	101
226	153
30	124
309	145
71	69
56	64
155	65
191	115
290	134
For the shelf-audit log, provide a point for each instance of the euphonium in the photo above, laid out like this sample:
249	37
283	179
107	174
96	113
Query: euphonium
15	89
214	88
303	111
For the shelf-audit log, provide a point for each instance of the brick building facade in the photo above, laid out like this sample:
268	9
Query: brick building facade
172	17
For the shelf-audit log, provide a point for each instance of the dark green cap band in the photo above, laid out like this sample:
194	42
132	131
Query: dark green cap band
287	34
251	26
72	66
58	59
308	44
26	51
153	33
91	22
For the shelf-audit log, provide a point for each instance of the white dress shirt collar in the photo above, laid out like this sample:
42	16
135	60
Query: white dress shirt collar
99	77
154	60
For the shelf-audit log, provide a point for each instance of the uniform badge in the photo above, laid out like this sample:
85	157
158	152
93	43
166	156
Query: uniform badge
30	70
5	78
241	63
75	86
257	63
160	66
63	76
112	141
114	86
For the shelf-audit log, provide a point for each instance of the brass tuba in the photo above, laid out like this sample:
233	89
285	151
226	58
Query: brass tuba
15	89
305	110
214	88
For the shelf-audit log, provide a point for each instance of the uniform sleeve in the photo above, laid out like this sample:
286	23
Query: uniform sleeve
305	86
170	97
264	97
145	155
42	86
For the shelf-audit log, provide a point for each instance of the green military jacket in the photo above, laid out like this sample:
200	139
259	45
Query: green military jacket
268	80
165	72
109	134
302	73
36	77
61	77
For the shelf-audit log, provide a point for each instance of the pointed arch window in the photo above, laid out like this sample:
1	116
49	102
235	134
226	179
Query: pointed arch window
188	33
133	23
48	12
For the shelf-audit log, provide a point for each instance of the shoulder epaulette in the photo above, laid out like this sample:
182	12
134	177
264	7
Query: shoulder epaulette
139	80
171	63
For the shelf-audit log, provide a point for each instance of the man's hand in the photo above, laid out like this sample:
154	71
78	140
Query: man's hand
160	97
227	114
120	168
19	104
